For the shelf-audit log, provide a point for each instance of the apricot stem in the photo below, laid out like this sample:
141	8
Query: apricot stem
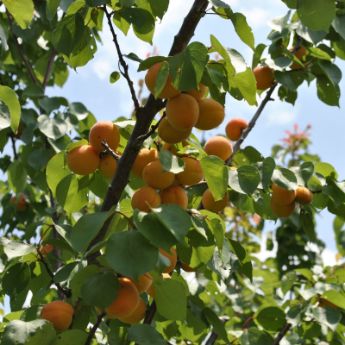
107	149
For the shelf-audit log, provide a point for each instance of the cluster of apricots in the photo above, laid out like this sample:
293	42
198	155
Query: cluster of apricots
283	201
86	159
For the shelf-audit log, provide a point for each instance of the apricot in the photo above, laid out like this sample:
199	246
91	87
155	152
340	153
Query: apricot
144	157
172	257
19	202
156	177
174	195
145	198
301	54
59	313
210	204
168	91
211	114
303	195
218	146
126	301
282	196
137	314
83	160
104	131
45	249
182	112
282	210
235	127
192	173
264	77
108	166
144	282
170	134
200	93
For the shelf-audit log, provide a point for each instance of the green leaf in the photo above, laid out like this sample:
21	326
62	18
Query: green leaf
71	337
14	249
171	299
100	289
268	166
159	7
284	178
56	170
238	249
271	318
68	194
17	176
86	229
254	336
217	324
35	332
52	128
114	77
22	11
327	92
329	317
248	178
161	79
307	170
145	335
242	29
16	279
10	99
171	162
325	169
339	25
336	297
130	253
216	175
316	14
246	83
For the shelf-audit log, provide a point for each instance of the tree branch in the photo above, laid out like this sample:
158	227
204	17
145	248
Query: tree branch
94	329
122	61
49	68
281	334
150	313
145	116
153	128
252	122
14	149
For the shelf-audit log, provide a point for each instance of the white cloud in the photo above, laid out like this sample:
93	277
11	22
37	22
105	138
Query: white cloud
102	68
281	118
257	17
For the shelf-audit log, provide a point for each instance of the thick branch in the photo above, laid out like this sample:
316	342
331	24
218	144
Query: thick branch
94	329
122	61
252	122
281	334
145	116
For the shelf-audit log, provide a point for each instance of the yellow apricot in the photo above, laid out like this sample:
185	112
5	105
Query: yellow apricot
59	313
192	173
45	249
137	314
172	256
174	195
108	166
210	204
235	127
264	77
301	54
145	198
104	131
282	196
182	112
218	146
126	301
200	93
19	202
211	114
83	160
282	210
168	91
171	135
144	157
156	177
144	282
303	195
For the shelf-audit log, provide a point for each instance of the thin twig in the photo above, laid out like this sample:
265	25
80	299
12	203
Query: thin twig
108	150
65	292
281	334
122	61
252	122
153	128
49	68
150	313
14	149
94	329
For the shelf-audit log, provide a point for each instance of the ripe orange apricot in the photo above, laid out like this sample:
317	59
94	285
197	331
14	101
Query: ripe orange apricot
264	77
235	127
45	249
104	131
170	134
144	157
210	204
59	313
137	314
200	93
301	54
83	160
156	177
145	198
144	282
168	91
108	166
182	112
174	195
192	173
126	301
172	256
19	202
218	146
282	210
211	114
282	196
303	195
